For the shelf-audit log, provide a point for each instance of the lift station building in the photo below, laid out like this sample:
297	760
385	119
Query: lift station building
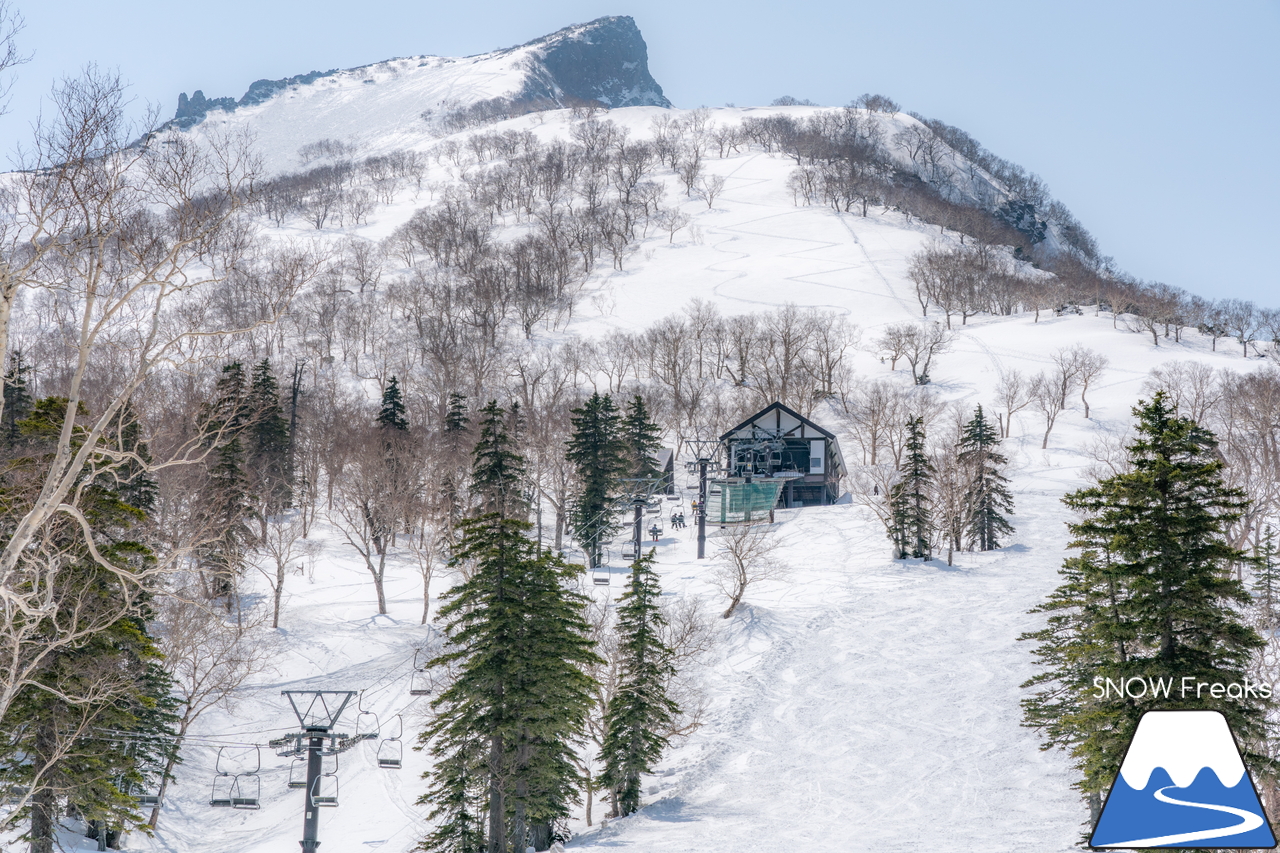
779	444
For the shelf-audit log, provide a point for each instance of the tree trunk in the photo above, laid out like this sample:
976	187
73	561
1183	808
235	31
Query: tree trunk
169	764
44	805
279	591
497	808
426	597
377	583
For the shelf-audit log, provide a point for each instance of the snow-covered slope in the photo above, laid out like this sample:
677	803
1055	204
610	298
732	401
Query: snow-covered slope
860	704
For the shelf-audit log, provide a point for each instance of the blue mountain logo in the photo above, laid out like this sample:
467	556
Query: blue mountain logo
1183	784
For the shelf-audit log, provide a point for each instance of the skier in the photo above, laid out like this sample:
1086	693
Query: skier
655	532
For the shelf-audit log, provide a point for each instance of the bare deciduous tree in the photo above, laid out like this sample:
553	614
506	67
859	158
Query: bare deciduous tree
1046	393
709	188
283	545
672	220
745	557
920	345
1194	388
1014	393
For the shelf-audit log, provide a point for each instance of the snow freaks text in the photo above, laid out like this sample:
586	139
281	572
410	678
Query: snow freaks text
1183	688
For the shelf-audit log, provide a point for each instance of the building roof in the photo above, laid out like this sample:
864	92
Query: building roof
786	421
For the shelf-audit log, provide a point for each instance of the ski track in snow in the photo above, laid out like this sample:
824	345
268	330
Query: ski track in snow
861	705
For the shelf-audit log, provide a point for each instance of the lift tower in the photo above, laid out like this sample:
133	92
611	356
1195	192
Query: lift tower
317	712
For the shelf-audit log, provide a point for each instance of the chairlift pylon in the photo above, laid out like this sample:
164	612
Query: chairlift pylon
391	750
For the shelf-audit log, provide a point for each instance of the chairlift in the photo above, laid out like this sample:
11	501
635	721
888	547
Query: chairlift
149	801
421	682
223	784
220	796
298	773
330	801
653	508
600	576
246	788
246	791
391	750
367	723
629	551
12	794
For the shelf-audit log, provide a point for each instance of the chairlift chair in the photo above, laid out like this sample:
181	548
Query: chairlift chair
149	801
246	791
391	750
629	551
367	723
246	788
220	795
298	773
223	784
600	576
653	508
319	800
420	682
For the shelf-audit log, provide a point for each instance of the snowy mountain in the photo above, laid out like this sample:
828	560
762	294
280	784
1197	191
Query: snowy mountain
604	61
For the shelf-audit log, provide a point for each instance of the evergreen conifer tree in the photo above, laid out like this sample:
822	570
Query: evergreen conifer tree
456	420
910	520
229	500
640	711
17	397
987	498
642	438
1266	581
598	454
504	730
267	437
454	446
392	414
1150	596
497	469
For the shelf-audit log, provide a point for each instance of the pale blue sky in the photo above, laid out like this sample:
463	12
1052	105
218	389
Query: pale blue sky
1155	122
